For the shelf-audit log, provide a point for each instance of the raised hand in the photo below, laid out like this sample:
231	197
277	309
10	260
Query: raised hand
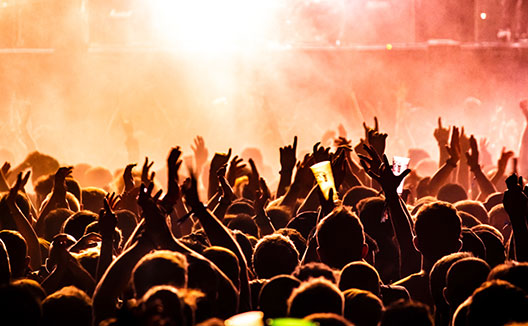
342	142
288	157
472	156
107	218
254	184
375	138
515	200
453	149
370	162
173	192
190	192
262	197
5	169
236	170
128	178
320	153
464	141
219	159
156	228
503	160
59	187
19	186
386	178
339	168
145	178
441	134
227	192
200	152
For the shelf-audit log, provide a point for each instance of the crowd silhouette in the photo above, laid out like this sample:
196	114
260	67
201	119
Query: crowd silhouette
90	246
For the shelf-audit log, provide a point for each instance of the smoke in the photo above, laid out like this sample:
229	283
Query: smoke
259	96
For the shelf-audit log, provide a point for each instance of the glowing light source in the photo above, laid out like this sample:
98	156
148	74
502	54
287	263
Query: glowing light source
211	24
389	46
483	15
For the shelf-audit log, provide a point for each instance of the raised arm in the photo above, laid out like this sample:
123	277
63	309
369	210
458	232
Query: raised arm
57	199
501	166
441	135
399	216
288	160
472	157
442	175
218	235
22	222
516	205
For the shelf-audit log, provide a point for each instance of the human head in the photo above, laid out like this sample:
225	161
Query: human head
273	297
68	306
17	251
409	313
464	277
355	194
452	193
437	230
77	223
316	295
360	275
497	303
274	255
362	308
93	198
340	238
160	267
311	270
474	208
226	260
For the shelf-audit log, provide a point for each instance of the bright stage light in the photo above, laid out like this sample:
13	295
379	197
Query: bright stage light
211	25
483	15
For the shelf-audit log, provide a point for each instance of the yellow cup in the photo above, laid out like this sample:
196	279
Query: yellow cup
325	179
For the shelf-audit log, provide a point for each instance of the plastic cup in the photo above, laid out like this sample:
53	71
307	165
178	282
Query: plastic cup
325	179
251	318
400	164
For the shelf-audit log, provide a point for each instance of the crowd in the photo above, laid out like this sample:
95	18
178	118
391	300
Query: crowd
87	246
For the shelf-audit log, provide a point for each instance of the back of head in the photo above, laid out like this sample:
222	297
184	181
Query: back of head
468	220
298	240
279	216
362	308
311	270
17	251
340	238
242	222
409	313
493	200
437	278
360	275
163	305
472	243
303	223
355	194
126	221
160	267
273	297
32	286
474	208
497	303
438	229
452	193
495	250
328	319
274	255
226	260
500	220
68	306
464	277
19	306
77	223
371	211
53	222
512	272
238	207
92	199
316	295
